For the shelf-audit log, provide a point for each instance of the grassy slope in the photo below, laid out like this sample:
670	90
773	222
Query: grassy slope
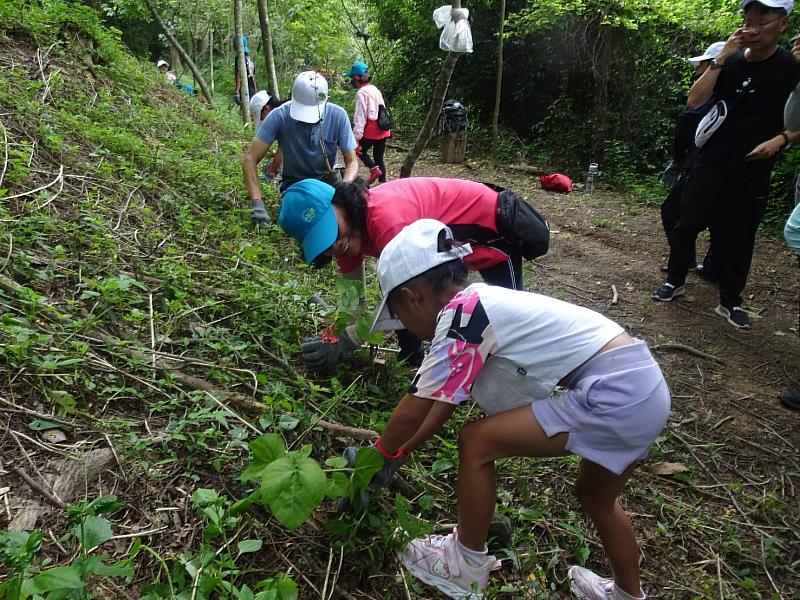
149	205
140	223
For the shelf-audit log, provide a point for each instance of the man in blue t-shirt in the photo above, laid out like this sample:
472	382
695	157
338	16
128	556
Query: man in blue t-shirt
309	130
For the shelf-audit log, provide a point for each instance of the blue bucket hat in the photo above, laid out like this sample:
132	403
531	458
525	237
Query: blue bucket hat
307	215
358	68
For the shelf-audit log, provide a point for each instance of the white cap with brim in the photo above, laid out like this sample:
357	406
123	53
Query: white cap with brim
257	102
309	95
786	5
711	52
162	63
412	252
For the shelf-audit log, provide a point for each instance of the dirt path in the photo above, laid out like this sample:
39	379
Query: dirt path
727	424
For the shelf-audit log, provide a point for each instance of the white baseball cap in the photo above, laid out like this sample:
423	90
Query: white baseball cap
786	5
412	252
162	63
257	102
711	52
309	95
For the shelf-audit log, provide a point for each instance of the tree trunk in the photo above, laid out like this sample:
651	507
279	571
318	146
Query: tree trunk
439	92
179	49
266	40
499	83
211	56
244	86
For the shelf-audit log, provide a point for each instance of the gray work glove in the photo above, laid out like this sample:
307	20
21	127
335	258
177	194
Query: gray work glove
237	97
324	351
380	480
259	214
671	174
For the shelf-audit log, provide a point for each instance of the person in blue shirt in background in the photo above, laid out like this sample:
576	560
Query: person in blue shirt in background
309	130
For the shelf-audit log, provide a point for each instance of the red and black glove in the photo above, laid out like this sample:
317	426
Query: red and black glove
325	350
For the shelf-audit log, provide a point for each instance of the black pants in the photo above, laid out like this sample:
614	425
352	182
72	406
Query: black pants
671	211
735	200
378	150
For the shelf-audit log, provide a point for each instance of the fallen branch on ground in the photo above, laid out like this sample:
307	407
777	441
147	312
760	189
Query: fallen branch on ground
527	169
690	350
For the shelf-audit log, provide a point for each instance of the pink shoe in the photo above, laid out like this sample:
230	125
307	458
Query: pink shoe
374	174
437	561
588	585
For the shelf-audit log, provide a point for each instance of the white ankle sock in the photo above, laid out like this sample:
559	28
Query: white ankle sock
473	557
623	595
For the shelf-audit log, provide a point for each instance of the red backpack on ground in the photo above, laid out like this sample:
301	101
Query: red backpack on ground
556	182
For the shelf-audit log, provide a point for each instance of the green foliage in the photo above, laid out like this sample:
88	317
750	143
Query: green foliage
293	483
25	578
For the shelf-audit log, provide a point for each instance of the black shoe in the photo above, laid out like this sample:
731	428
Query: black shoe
667	292
704	273
791	398
736	316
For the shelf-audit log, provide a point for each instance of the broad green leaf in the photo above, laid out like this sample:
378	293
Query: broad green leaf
95	565
242	505
57	578
267	447
246	546
440	465
253	471
336	462
245	593
368	462
288	422
337	485
95	531
42	425
135	548
103	504
204	497
292	487
287	589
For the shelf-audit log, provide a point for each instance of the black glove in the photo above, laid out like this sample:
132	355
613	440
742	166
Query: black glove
259	214
671	174
380	480
322	352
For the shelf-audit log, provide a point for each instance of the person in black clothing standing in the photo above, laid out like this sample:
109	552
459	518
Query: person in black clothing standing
750	80
684	156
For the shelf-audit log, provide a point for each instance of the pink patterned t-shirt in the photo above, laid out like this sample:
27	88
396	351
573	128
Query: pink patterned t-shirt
463	341
516	345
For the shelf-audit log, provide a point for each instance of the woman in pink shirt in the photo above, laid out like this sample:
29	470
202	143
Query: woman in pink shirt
351	221
365	122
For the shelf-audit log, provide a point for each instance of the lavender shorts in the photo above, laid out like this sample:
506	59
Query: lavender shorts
616	405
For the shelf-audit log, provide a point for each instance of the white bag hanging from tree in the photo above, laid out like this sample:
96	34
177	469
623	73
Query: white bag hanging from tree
456	33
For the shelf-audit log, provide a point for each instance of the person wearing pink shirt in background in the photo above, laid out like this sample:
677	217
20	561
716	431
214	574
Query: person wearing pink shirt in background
349	221
365	122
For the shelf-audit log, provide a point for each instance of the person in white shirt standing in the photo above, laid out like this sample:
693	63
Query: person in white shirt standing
366	130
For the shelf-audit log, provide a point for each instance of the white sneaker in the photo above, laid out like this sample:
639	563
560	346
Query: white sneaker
589	586
437	561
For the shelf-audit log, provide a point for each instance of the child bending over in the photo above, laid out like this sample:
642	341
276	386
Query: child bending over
509	350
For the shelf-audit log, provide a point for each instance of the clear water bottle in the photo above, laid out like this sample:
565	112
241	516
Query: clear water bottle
591	176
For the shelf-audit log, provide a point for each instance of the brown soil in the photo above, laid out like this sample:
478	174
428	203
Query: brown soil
727	423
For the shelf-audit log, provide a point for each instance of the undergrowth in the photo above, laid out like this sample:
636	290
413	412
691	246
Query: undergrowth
141	312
